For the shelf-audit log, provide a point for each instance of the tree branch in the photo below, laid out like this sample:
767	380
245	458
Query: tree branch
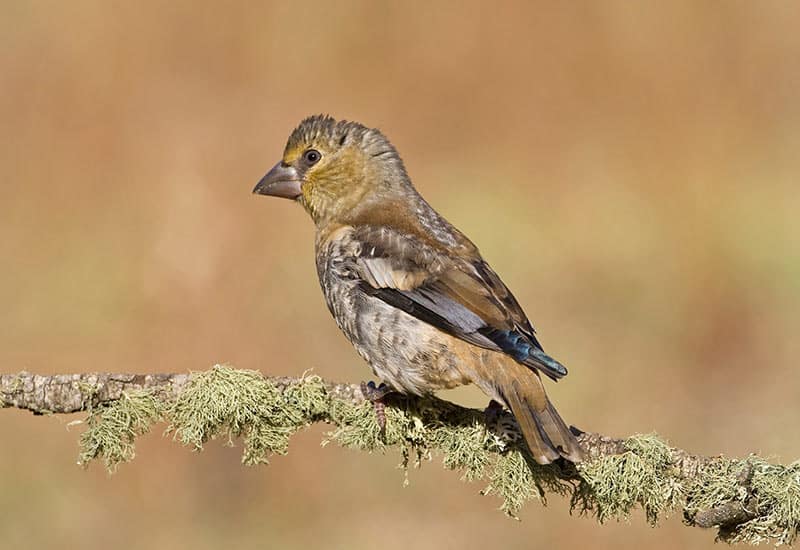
748	500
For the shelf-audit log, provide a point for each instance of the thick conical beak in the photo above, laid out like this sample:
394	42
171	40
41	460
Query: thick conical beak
281	181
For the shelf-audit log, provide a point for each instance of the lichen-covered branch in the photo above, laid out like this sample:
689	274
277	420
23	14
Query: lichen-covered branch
747	500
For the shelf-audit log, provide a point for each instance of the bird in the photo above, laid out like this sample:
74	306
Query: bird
410	292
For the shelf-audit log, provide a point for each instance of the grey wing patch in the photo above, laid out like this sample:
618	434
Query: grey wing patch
440	312
458	315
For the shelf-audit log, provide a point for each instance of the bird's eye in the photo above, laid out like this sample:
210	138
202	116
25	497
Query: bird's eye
311	156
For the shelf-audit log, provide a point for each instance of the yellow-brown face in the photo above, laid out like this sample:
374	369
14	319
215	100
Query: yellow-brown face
330	167
333	175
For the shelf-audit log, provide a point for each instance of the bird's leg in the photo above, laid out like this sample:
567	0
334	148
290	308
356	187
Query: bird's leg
375	395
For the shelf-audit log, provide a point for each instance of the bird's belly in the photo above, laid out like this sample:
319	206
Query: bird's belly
404	352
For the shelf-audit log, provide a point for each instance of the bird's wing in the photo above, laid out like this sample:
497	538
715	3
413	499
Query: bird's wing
461	296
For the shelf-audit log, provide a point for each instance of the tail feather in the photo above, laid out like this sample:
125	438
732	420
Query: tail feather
546	434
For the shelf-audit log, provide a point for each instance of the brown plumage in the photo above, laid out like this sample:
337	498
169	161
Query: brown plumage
411	292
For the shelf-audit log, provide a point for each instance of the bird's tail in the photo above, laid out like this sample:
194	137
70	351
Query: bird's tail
546	434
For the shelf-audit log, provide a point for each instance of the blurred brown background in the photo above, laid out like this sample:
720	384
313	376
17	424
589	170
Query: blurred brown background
631	171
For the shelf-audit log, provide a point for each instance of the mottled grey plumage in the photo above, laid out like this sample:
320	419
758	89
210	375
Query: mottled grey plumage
410	291
406	353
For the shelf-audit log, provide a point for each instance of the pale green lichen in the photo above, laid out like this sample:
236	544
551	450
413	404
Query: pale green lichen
512	480
719	485
357	426
642	475
516	478
220	401
113	428
774	497
464	448
240	403
777	490
229	403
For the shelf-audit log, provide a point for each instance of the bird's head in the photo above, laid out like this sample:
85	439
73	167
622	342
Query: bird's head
336	168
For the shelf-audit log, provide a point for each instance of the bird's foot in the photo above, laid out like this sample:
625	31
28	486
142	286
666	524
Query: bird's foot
375	395
492	412
501	423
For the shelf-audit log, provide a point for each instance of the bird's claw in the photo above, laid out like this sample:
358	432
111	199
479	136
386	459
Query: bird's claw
375	393
500	423
492	412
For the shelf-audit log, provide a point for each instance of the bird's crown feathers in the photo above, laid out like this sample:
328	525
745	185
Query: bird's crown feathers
322	129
